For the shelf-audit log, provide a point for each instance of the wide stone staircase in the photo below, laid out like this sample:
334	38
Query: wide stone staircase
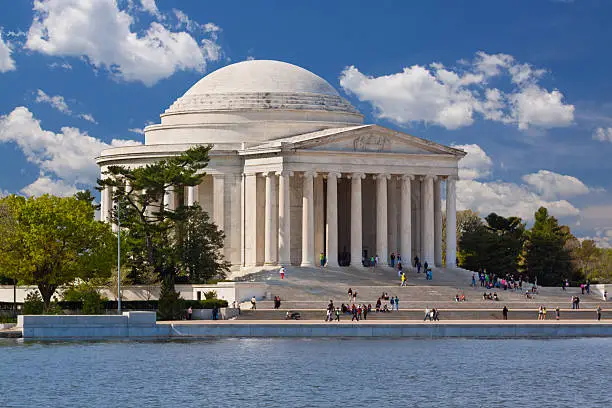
309	290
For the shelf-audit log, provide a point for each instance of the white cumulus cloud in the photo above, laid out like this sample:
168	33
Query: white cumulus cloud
453	97
603	134
7	63
476	164
67	156
535	106
103	33
46	185
57	102
553	185
138	131
151	7
512	199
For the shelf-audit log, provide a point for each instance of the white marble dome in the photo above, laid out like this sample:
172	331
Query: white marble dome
261	76
252	102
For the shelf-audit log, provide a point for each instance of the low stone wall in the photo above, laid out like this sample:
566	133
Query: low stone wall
127	325
432	330
142	325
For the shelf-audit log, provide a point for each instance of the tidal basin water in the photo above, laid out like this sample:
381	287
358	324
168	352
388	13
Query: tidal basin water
308	373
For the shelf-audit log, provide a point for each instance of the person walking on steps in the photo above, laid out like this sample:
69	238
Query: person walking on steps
253	303
403	279
322	259
282	272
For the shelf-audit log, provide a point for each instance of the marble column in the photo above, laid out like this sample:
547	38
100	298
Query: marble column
392	216
271	232
382	249
249	221
192	195
428	220
332	219
284	218
308	220
107	204
406	221
418	231
356	221
219	200
169	198
437	222
451	223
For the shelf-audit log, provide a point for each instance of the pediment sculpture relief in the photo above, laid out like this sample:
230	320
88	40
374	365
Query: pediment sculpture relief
371	143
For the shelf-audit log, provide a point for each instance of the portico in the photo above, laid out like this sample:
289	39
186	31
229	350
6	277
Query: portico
298	174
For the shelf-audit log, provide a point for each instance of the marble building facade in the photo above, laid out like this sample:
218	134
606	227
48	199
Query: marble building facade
294	172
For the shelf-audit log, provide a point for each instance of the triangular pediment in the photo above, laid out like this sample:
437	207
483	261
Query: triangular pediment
368	138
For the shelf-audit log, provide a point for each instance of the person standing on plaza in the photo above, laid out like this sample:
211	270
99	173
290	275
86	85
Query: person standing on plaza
598	310
473	280
396	303
322	259
392	301
416	261
392	258
282	272
505	312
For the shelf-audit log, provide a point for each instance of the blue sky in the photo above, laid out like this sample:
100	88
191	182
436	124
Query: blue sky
521	85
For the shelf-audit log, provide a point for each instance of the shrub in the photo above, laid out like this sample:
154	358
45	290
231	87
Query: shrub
85	297
33	304
205	304
211	294
8	319
170	303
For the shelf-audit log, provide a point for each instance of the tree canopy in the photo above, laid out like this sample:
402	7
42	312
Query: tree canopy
547	251
170	240
50	241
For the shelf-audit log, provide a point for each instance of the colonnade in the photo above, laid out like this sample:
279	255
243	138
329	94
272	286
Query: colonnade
277	230
394	206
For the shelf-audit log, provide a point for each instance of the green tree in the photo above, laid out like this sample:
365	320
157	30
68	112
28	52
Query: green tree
546	255
151	227
50	241
85	195
494	245
200	246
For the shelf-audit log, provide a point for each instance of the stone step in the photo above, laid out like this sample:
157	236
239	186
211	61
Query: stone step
445	314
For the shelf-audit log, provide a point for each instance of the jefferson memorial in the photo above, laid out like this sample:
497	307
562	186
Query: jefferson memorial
295	173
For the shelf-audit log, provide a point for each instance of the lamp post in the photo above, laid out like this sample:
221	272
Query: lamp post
118	206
